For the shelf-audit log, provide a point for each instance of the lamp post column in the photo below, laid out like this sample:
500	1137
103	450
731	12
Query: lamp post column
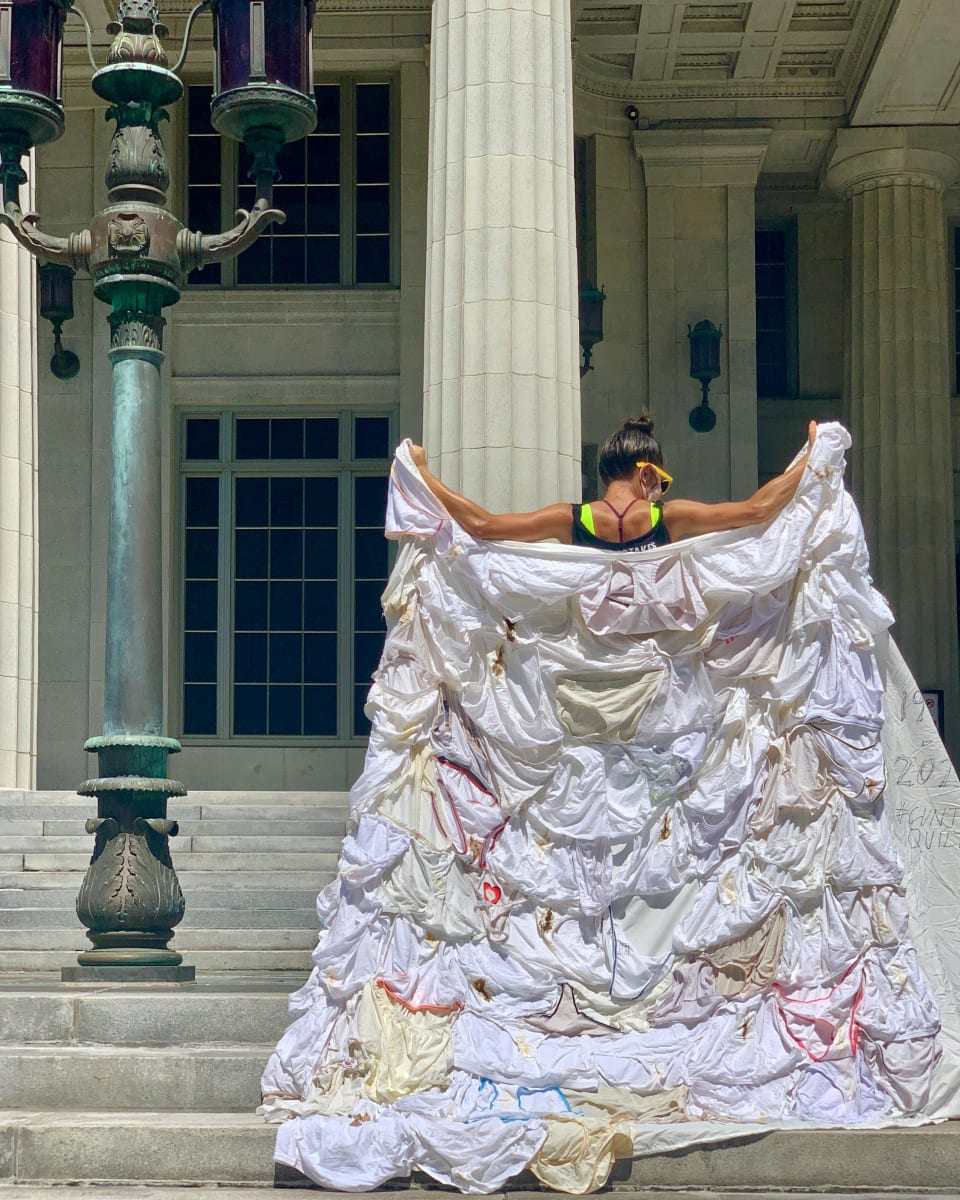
897	397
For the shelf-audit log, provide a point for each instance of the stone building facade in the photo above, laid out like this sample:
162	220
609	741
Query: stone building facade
787	169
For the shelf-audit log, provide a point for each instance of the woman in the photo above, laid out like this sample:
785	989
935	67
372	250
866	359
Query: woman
632	515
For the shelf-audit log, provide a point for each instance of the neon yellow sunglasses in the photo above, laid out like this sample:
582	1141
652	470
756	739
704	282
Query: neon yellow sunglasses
665	479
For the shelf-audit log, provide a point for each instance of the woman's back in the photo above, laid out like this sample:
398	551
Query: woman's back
639	525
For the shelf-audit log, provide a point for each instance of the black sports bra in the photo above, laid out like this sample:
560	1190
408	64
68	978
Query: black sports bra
584	533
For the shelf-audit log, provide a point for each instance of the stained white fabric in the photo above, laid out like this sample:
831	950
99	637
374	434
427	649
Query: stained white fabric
621	876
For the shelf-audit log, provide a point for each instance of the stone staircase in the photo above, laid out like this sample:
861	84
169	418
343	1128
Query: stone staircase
250	865
136	1088
120	1085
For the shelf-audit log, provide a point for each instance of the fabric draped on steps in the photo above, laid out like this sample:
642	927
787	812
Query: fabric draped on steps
622	875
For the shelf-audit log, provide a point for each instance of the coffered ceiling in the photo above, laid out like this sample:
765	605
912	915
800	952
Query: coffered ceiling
778	51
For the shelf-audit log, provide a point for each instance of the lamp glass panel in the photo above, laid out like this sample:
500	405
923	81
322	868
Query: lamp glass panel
35	35
287	28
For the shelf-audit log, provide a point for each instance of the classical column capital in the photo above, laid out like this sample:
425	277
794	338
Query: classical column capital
860	159
701	157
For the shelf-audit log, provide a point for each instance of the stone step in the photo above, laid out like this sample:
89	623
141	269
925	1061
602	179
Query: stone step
14	799
205	861
109	1147
105	1078
262	828
191	881
233	1148
270	896
63	916
203	938
247	959
214	1011
227	844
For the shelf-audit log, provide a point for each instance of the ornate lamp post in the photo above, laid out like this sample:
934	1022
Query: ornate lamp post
139	254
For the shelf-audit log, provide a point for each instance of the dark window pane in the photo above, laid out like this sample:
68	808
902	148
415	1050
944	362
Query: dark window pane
770	245
250	709
293	202
373	159
203	437
198	110
253	265
367	612
771	281
370	549
320	554
200	658
361	725
200	708
321	506
253	438
370	500
203	205
203	501
201	556
367	648
291	160
286	606
320	711
323	260
251	554
285	710
771	314
200	605
320	657
373	260
323	210
323	160
289	260
286	657
323	437
373	209
328	107
373	107
286	554
252	506
320	606
286	438
250	657
286	501
250	606
371	437
203	160
208	276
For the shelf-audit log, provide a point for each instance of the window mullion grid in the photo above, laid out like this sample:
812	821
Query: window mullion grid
395	184
345	573
225	598
348	182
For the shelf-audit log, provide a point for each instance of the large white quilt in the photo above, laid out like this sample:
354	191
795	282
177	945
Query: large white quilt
622	873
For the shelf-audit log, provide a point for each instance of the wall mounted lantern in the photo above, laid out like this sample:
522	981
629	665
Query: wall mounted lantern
704	367
56	306
591	323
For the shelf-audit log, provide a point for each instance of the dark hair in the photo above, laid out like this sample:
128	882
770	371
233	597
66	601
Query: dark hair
632	443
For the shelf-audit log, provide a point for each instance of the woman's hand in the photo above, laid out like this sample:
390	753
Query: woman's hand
419	456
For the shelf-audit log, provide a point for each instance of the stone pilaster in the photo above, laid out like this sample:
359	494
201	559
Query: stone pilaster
501	378
897	395
18	506
701	187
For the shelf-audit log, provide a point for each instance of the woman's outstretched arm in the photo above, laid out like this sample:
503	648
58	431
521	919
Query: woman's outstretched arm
554	521
685	518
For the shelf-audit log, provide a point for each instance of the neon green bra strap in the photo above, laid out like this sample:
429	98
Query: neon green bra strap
656	512
586	518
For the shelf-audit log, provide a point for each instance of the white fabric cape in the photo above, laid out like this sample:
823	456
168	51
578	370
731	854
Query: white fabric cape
630	860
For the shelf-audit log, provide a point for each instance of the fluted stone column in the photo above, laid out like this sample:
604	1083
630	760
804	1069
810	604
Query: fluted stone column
501	378
897	397
18	506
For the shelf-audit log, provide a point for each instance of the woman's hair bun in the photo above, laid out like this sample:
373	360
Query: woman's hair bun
642	424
